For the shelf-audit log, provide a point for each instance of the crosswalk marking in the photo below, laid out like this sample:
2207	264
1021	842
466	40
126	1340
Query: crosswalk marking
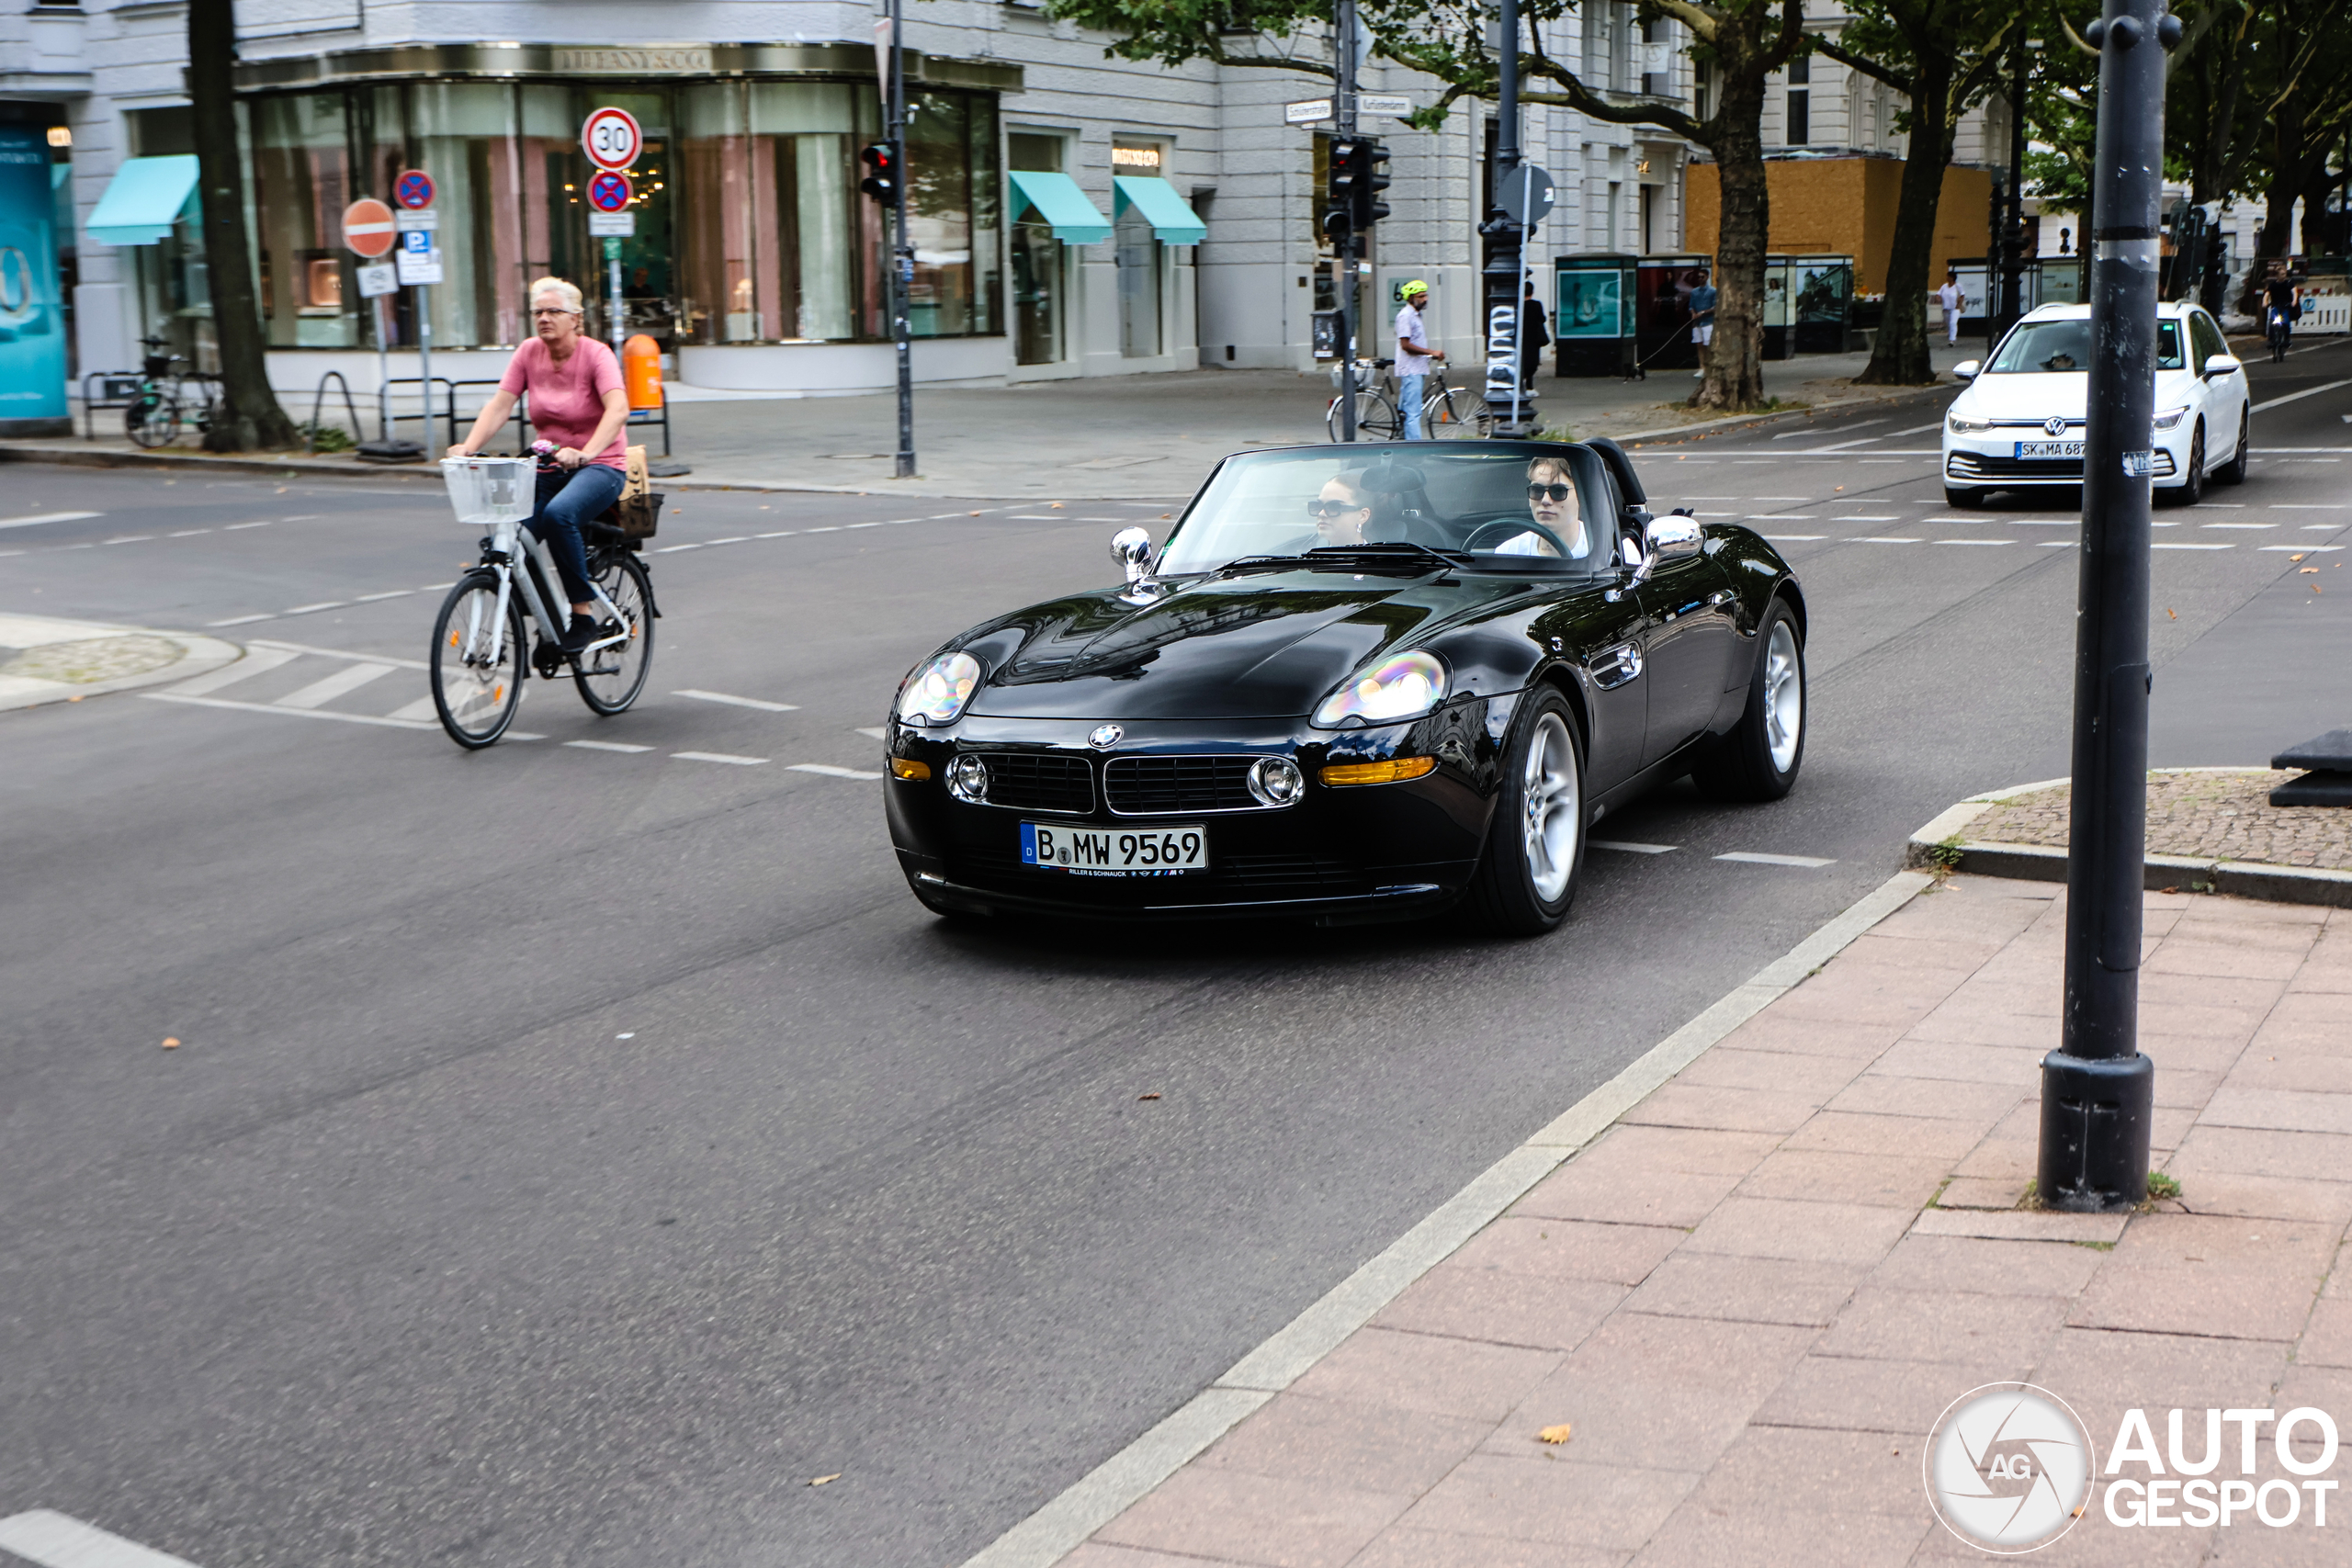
283	712
59	1540
421	708
320	693
256	661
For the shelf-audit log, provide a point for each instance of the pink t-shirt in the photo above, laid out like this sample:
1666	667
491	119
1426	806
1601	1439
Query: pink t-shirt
568	400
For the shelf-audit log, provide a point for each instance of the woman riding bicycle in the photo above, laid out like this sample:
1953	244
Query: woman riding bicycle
577	401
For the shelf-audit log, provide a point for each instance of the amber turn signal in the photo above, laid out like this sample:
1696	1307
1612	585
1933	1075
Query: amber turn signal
1390	772
909	769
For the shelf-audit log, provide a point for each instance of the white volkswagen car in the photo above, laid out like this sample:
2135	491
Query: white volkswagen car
2019	423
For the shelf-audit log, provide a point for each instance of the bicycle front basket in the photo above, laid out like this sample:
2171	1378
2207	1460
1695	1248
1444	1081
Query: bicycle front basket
490	490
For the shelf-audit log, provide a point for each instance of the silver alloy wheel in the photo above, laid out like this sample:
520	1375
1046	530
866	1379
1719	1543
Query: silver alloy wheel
1553	808
1784	696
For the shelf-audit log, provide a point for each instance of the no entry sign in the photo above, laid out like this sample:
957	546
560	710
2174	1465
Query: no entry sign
367	227
413	189
612	138
610	191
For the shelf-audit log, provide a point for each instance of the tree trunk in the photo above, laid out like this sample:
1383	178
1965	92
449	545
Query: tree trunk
1900	357
250	416
1734	380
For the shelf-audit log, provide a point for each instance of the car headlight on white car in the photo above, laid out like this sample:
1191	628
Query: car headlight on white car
935	694
1964	426
1404	685
2171	417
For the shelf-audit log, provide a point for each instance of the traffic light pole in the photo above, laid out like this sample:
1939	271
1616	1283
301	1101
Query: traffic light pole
1343	247
902	254
2098	1090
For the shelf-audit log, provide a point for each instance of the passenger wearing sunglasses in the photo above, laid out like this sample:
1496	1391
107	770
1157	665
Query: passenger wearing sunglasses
1552	502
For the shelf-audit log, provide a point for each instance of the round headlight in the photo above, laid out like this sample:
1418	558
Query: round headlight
935	694
967	779
1276	781
1404	685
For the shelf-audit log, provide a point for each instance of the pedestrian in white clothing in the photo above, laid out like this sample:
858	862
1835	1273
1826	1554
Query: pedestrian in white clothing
1953	300
1414	358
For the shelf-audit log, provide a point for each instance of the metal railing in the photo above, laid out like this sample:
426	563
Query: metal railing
318	405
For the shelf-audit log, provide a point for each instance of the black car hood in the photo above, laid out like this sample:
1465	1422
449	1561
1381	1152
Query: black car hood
1266	646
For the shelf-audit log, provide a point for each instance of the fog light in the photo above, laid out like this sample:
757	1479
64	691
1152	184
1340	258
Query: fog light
1276	781
967	779
1390	772
907	767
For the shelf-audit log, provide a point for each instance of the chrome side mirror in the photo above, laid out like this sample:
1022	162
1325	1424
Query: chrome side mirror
1673	537
1131	548
1966	370
2220	365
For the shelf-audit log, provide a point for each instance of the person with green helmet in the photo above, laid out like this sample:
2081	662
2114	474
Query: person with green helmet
1414	358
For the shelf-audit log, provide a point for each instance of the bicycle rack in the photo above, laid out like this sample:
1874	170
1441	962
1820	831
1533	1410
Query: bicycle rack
310	433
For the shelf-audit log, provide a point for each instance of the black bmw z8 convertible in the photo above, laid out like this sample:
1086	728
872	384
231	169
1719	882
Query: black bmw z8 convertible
1354	682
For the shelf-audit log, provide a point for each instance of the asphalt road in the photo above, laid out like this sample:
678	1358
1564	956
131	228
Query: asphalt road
574	1152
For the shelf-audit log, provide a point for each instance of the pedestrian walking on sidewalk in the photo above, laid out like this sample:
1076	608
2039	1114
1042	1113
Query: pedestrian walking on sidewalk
1414	358
1702	321
1533	336
1954	299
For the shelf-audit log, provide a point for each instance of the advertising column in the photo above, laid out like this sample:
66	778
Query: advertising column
33	321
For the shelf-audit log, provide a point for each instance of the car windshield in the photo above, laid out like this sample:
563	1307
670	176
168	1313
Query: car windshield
2041	347
1518	506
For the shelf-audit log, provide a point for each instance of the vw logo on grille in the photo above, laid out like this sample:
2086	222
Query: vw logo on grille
2055	425
1104	735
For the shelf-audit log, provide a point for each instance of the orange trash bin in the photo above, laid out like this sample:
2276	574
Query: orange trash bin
642	372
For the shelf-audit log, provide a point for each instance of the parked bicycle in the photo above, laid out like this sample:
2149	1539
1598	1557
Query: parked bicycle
479	661
1446	414
167	397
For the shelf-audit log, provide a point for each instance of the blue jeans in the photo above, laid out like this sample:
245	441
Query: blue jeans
565	502
1409	406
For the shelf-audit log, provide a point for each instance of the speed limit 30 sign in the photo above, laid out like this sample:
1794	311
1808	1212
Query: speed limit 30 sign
612	139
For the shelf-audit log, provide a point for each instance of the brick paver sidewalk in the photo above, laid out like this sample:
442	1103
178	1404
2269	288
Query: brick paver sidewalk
1751	1298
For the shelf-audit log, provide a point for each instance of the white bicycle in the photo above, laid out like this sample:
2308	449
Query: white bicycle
479	642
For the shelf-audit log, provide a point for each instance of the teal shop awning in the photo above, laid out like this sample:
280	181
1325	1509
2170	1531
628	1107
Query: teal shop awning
1076	220
1170	216
143	200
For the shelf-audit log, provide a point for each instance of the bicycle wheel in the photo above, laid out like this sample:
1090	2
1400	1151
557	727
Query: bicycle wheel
152	420
610	678
1376	417
1456	416
475	690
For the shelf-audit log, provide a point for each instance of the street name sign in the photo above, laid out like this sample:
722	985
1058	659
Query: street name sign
1307	113
1387	106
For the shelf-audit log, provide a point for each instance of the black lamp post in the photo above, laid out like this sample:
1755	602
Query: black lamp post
2098	1090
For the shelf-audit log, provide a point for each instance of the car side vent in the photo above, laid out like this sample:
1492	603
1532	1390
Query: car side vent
1160	786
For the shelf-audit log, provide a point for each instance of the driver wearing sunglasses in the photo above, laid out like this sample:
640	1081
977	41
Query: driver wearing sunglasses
1552	502
1340	510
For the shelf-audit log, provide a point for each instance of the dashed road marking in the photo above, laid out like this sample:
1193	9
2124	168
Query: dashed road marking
1793	539
1876	539
764	706
607	746
1625	846
719	757
1803	862
234	526
827	768
243	620
875	731
388	594
59	1541
131	539
314	609
2237	525
1976	541
2302	549
2168	546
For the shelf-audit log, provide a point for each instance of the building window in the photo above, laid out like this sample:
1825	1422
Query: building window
1798	122
1040	261
302	184
1140	257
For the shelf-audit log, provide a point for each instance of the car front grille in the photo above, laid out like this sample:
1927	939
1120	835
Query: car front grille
1039	781
1161	787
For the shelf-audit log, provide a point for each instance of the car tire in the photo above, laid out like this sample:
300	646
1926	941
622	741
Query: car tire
2191	488
1534	855
1963	500
1760	758
2234	472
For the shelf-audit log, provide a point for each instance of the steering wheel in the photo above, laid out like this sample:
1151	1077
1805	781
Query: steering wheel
1517	525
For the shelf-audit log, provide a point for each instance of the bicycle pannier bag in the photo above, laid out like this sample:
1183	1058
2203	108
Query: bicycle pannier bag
639	511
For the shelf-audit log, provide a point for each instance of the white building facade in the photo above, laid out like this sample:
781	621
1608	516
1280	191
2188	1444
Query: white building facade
1074	215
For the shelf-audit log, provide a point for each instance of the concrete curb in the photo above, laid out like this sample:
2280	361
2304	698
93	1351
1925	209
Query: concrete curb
198	655
1054	1531
1942	844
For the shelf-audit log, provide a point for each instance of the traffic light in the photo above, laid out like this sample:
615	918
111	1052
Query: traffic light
1367	177
1338	189
881	181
